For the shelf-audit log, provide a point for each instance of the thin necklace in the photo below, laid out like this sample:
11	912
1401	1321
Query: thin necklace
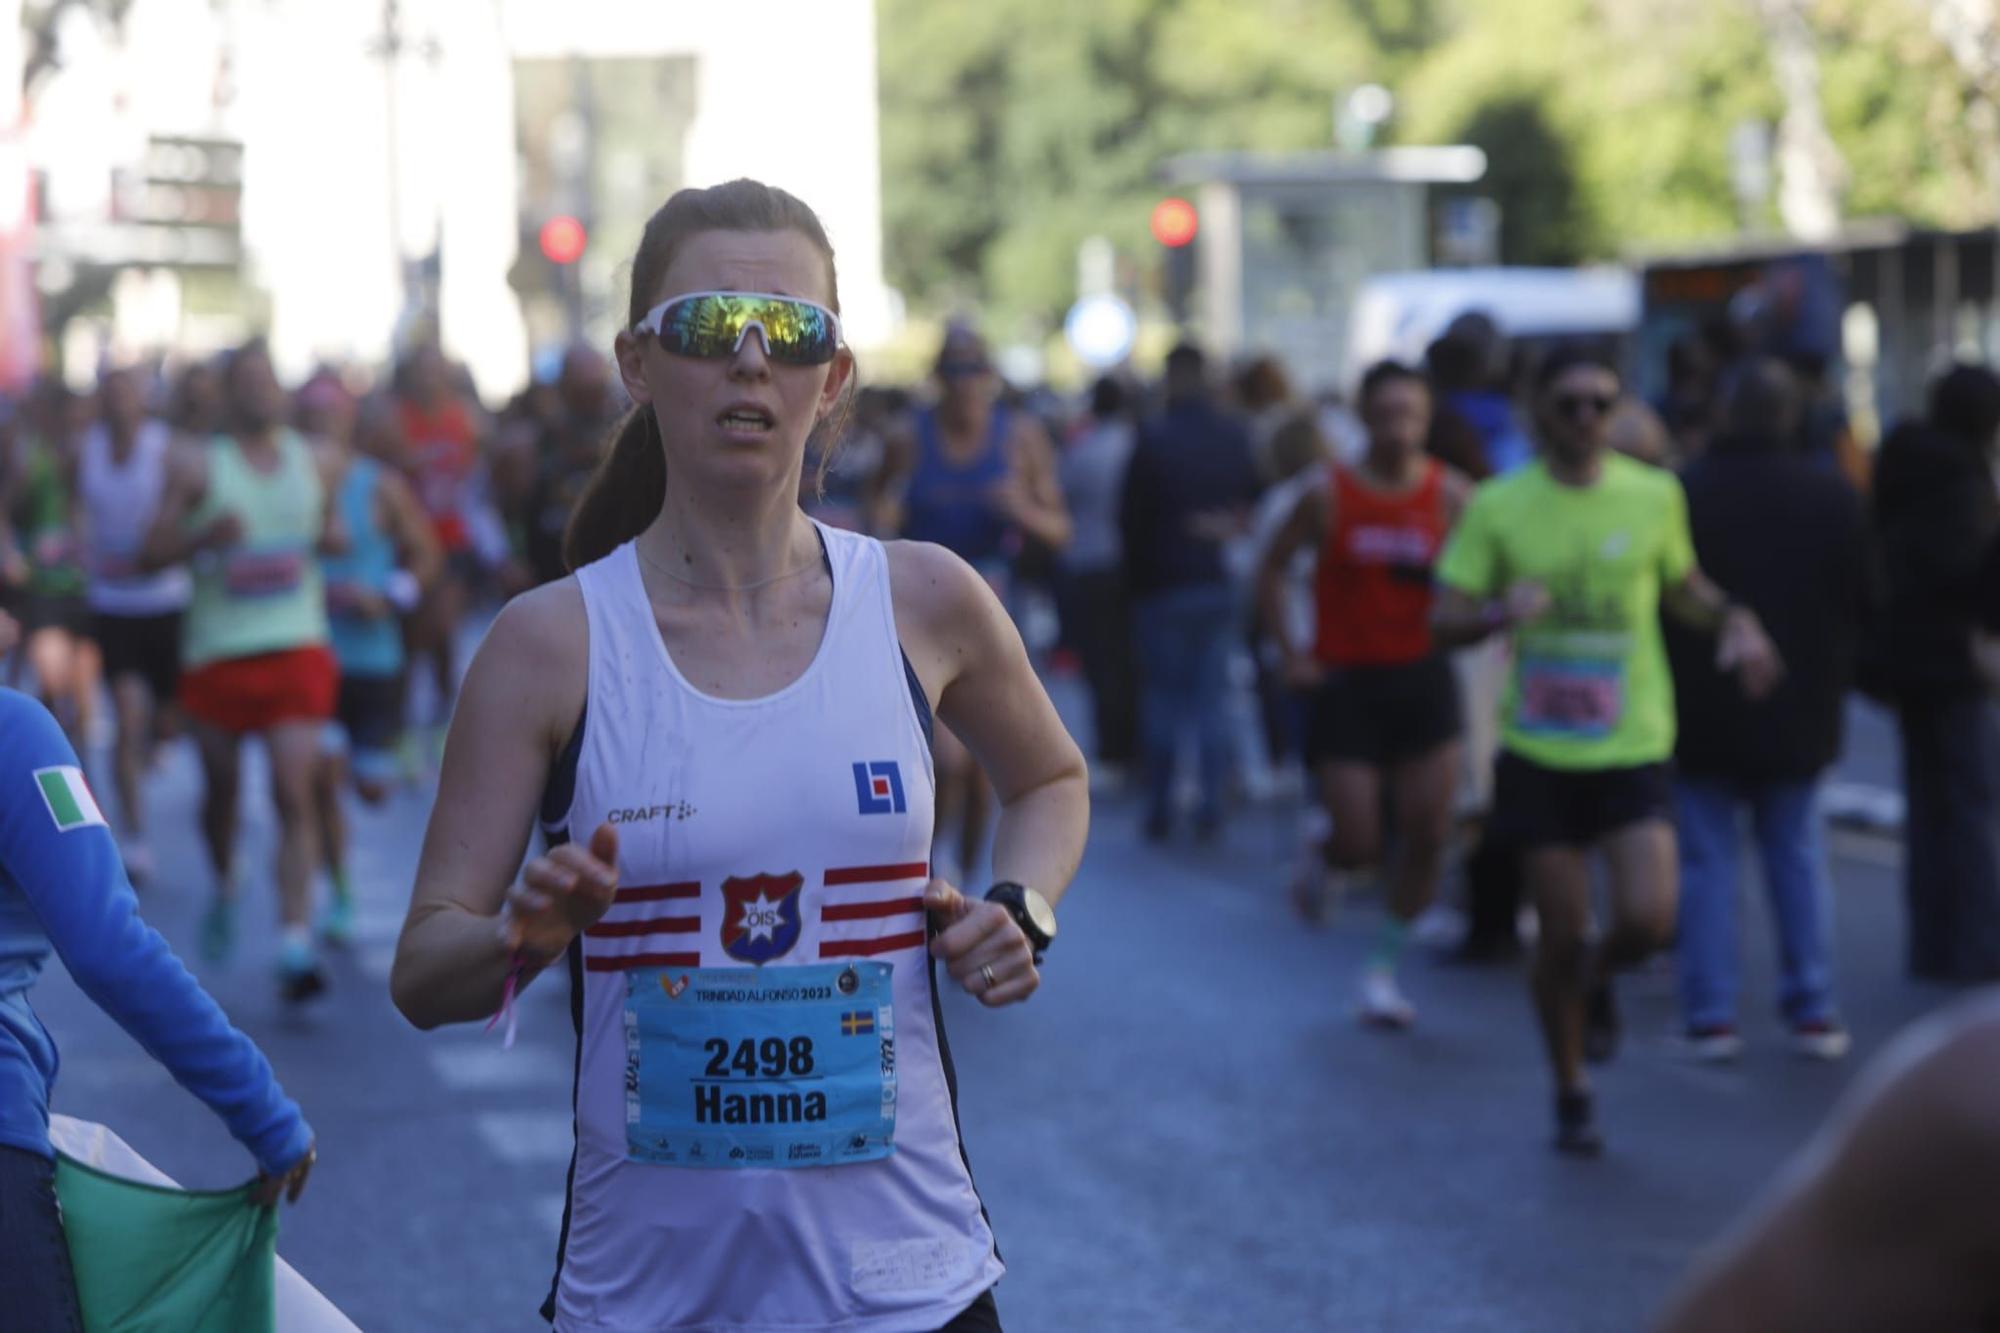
720	587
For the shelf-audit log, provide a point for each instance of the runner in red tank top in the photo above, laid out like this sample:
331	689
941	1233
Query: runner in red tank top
437	432
1385	710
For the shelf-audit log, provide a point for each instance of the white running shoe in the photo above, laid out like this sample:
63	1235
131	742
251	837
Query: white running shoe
1382	1002
1828	1042
1718	1045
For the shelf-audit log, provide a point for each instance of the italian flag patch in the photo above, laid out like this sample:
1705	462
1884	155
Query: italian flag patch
68	798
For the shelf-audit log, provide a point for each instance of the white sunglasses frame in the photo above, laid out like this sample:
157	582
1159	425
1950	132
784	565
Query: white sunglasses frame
650	321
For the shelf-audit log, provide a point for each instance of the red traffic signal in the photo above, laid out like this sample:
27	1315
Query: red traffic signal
563	239
1175	223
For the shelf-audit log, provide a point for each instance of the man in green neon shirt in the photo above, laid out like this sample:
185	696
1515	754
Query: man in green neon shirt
1574	556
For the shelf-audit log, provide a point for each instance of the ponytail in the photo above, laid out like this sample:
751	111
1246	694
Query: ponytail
624	494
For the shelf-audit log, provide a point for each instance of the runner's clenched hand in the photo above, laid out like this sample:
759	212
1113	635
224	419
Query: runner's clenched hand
560	895
981	945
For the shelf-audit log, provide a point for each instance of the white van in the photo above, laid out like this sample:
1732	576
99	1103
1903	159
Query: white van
1399	315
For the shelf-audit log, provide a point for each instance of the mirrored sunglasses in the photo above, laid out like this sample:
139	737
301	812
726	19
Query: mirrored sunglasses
714	324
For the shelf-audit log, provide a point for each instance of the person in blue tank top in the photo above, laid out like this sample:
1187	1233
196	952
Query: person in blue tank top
980	480
63	889
392	556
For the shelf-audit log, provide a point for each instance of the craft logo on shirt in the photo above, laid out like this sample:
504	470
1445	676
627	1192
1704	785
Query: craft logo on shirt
760	919
68	798
878	787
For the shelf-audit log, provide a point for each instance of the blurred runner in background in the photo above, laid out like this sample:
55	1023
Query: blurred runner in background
1384	732
973	476
136	613
390	558
55	615
250	511
1576	554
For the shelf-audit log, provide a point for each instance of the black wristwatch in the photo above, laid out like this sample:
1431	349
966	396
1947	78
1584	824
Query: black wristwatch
1030	911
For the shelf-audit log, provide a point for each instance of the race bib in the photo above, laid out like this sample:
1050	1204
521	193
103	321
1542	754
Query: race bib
54	547
731	1067
344	599
1569	696
118	567
262	573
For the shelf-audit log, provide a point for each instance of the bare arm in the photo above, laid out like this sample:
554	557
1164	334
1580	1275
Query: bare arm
1458	618
1697	603
885	492
1307	525
1457	494
522	696
416	541
1032	496
334	538
1742	645
1885	1220
969	657
170	541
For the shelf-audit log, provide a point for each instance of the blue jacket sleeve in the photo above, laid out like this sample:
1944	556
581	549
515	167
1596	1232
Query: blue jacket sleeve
76	884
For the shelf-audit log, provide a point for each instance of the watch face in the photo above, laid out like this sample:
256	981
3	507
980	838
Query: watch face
1039	912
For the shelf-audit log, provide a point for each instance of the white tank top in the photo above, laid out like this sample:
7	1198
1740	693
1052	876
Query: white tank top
766	1123
119	503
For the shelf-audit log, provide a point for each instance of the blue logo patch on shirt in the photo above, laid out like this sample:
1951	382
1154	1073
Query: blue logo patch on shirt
878	787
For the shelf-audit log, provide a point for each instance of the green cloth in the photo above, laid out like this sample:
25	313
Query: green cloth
1589	688
150	1259
265	594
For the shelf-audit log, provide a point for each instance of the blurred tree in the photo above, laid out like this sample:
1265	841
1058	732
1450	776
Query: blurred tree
1014	129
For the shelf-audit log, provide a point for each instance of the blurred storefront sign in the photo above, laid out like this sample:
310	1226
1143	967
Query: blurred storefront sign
179	207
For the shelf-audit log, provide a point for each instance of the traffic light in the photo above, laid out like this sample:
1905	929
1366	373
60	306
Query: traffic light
562	239
1175	225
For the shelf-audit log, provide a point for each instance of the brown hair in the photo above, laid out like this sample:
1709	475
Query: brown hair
626	491
1297	444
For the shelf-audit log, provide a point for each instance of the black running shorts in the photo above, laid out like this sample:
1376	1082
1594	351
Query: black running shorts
1381	715
1537	806
148	647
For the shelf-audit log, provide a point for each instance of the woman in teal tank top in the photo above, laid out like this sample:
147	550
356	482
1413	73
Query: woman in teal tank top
392	556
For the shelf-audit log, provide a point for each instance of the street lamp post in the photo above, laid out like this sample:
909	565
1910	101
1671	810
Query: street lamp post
389	46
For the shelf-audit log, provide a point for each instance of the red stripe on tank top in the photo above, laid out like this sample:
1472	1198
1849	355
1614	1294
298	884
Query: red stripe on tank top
878	874
868	948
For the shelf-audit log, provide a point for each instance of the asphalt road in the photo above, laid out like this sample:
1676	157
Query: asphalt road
1185	1129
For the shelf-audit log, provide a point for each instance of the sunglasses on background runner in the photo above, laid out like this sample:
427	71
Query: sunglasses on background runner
1571	405
714	324
962	370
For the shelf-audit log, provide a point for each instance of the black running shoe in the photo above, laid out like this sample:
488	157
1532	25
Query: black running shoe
1576	1125
1600	1024
296	985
